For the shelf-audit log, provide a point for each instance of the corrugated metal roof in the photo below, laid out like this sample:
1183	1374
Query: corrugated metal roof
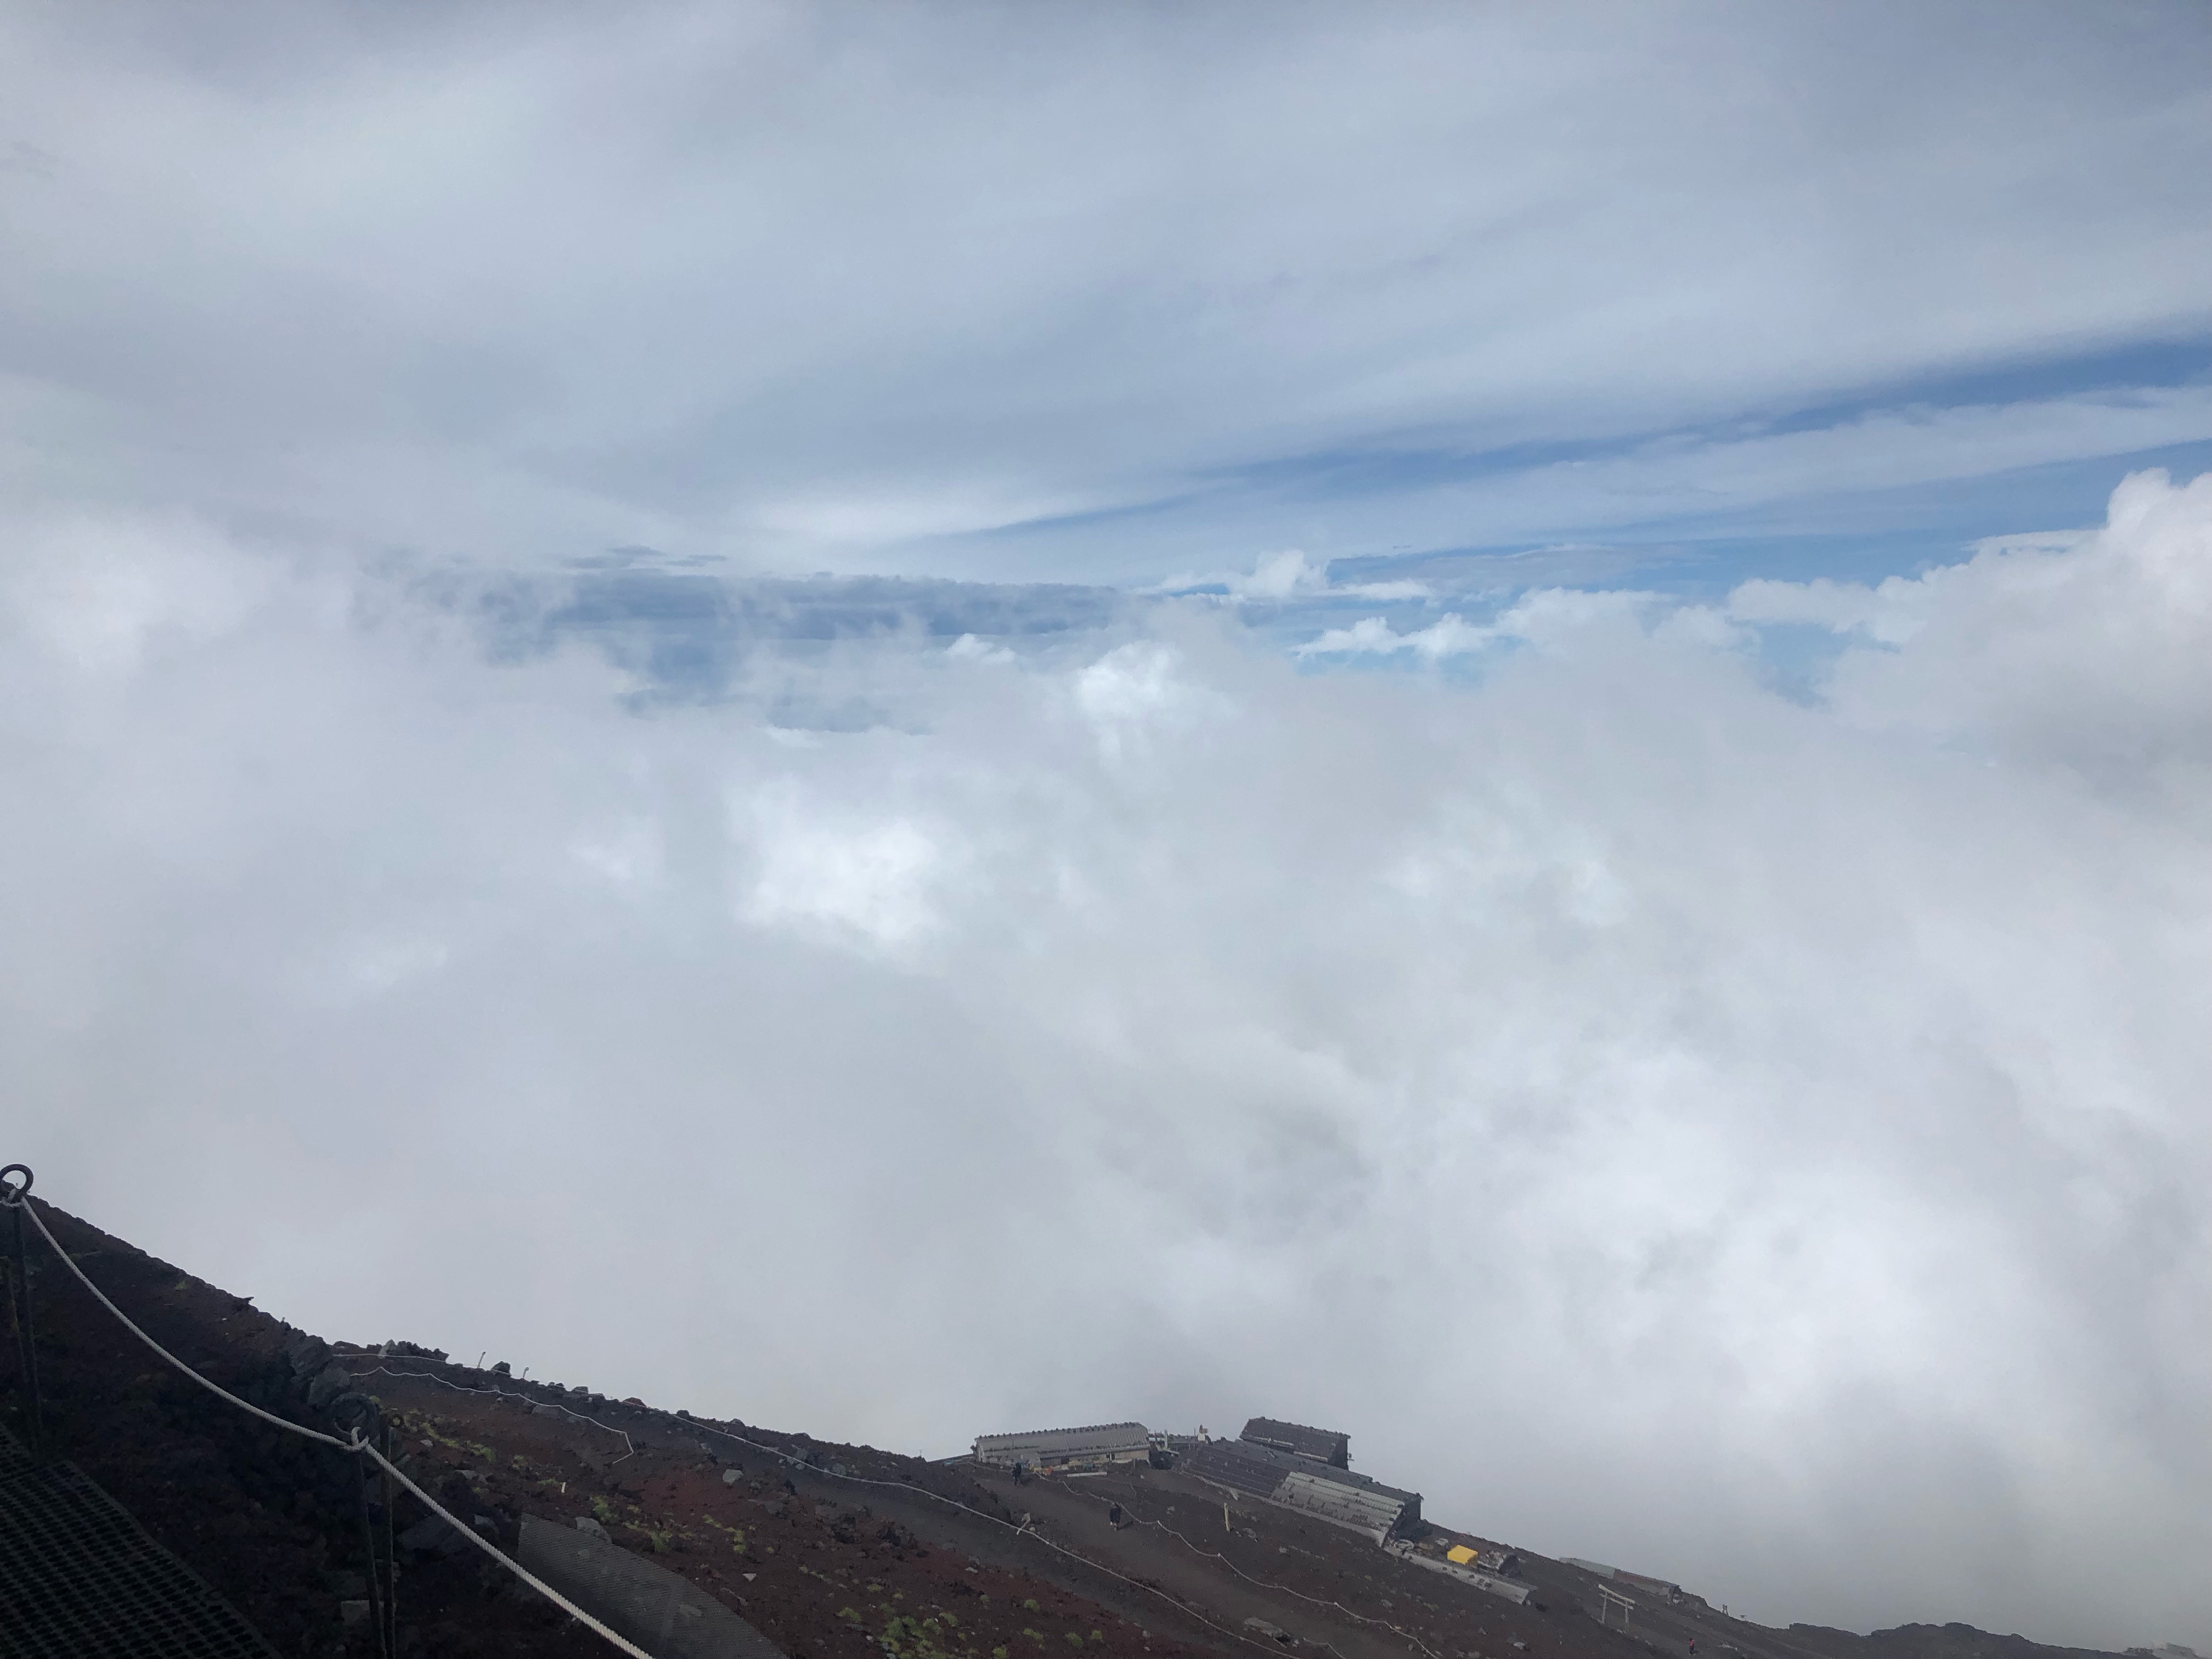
1286	1463
1329	1494
1327	1445
1058	1445
1229	1465
1367	1512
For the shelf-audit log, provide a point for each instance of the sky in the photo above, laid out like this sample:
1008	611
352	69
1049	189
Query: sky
1488	724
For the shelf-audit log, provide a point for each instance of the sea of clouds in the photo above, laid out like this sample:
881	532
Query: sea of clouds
1749	1130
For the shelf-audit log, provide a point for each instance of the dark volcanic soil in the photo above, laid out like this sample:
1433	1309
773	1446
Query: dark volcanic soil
271	1520
824	1566
834	1551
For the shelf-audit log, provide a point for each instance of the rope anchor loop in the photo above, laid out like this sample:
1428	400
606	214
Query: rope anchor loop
10	1194
358	1418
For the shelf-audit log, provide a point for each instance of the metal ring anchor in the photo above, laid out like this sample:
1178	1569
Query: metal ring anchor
19	1302
356	1415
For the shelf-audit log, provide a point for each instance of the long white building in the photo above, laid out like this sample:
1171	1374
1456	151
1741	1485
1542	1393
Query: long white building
1060	1448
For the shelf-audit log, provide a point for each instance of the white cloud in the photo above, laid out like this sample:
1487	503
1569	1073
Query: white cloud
2090	650
1140	689
971	648
1762	1143
1550	616
1450	634
872	879
1277	576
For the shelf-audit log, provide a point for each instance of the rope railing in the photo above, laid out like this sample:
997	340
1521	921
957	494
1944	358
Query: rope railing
630	1446
17	1198
1019	1529
1267	1584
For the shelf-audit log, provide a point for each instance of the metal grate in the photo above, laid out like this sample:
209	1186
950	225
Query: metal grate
78	1577
662	1611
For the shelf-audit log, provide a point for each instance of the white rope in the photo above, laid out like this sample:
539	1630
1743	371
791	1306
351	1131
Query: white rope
1024	1529
212	1388
953	1503
505	1559
429	1376
357	1445
1215	1555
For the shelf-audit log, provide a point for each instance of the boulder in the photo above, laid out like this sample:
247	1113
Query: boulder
307	1354
432	1535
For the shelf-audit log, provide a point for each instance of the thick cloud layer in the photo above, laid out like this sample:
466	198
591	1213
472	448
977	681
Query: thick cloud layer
1752	1138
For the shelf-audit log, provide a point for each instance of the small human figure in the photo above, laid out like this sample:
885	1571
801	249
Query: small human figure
1114	1517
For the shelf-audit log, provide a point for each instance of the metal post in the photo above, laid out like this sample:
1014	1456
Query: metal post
359	1415
391	1547
375	1573
15	1197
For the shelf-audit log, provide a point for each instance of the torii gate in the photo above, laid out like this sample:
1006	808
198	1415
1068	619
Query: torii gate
1610	1599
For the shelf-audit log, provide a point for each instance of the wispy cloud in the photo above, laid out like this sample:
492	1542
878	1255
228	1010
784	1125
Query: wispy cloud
1289	576
804	305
